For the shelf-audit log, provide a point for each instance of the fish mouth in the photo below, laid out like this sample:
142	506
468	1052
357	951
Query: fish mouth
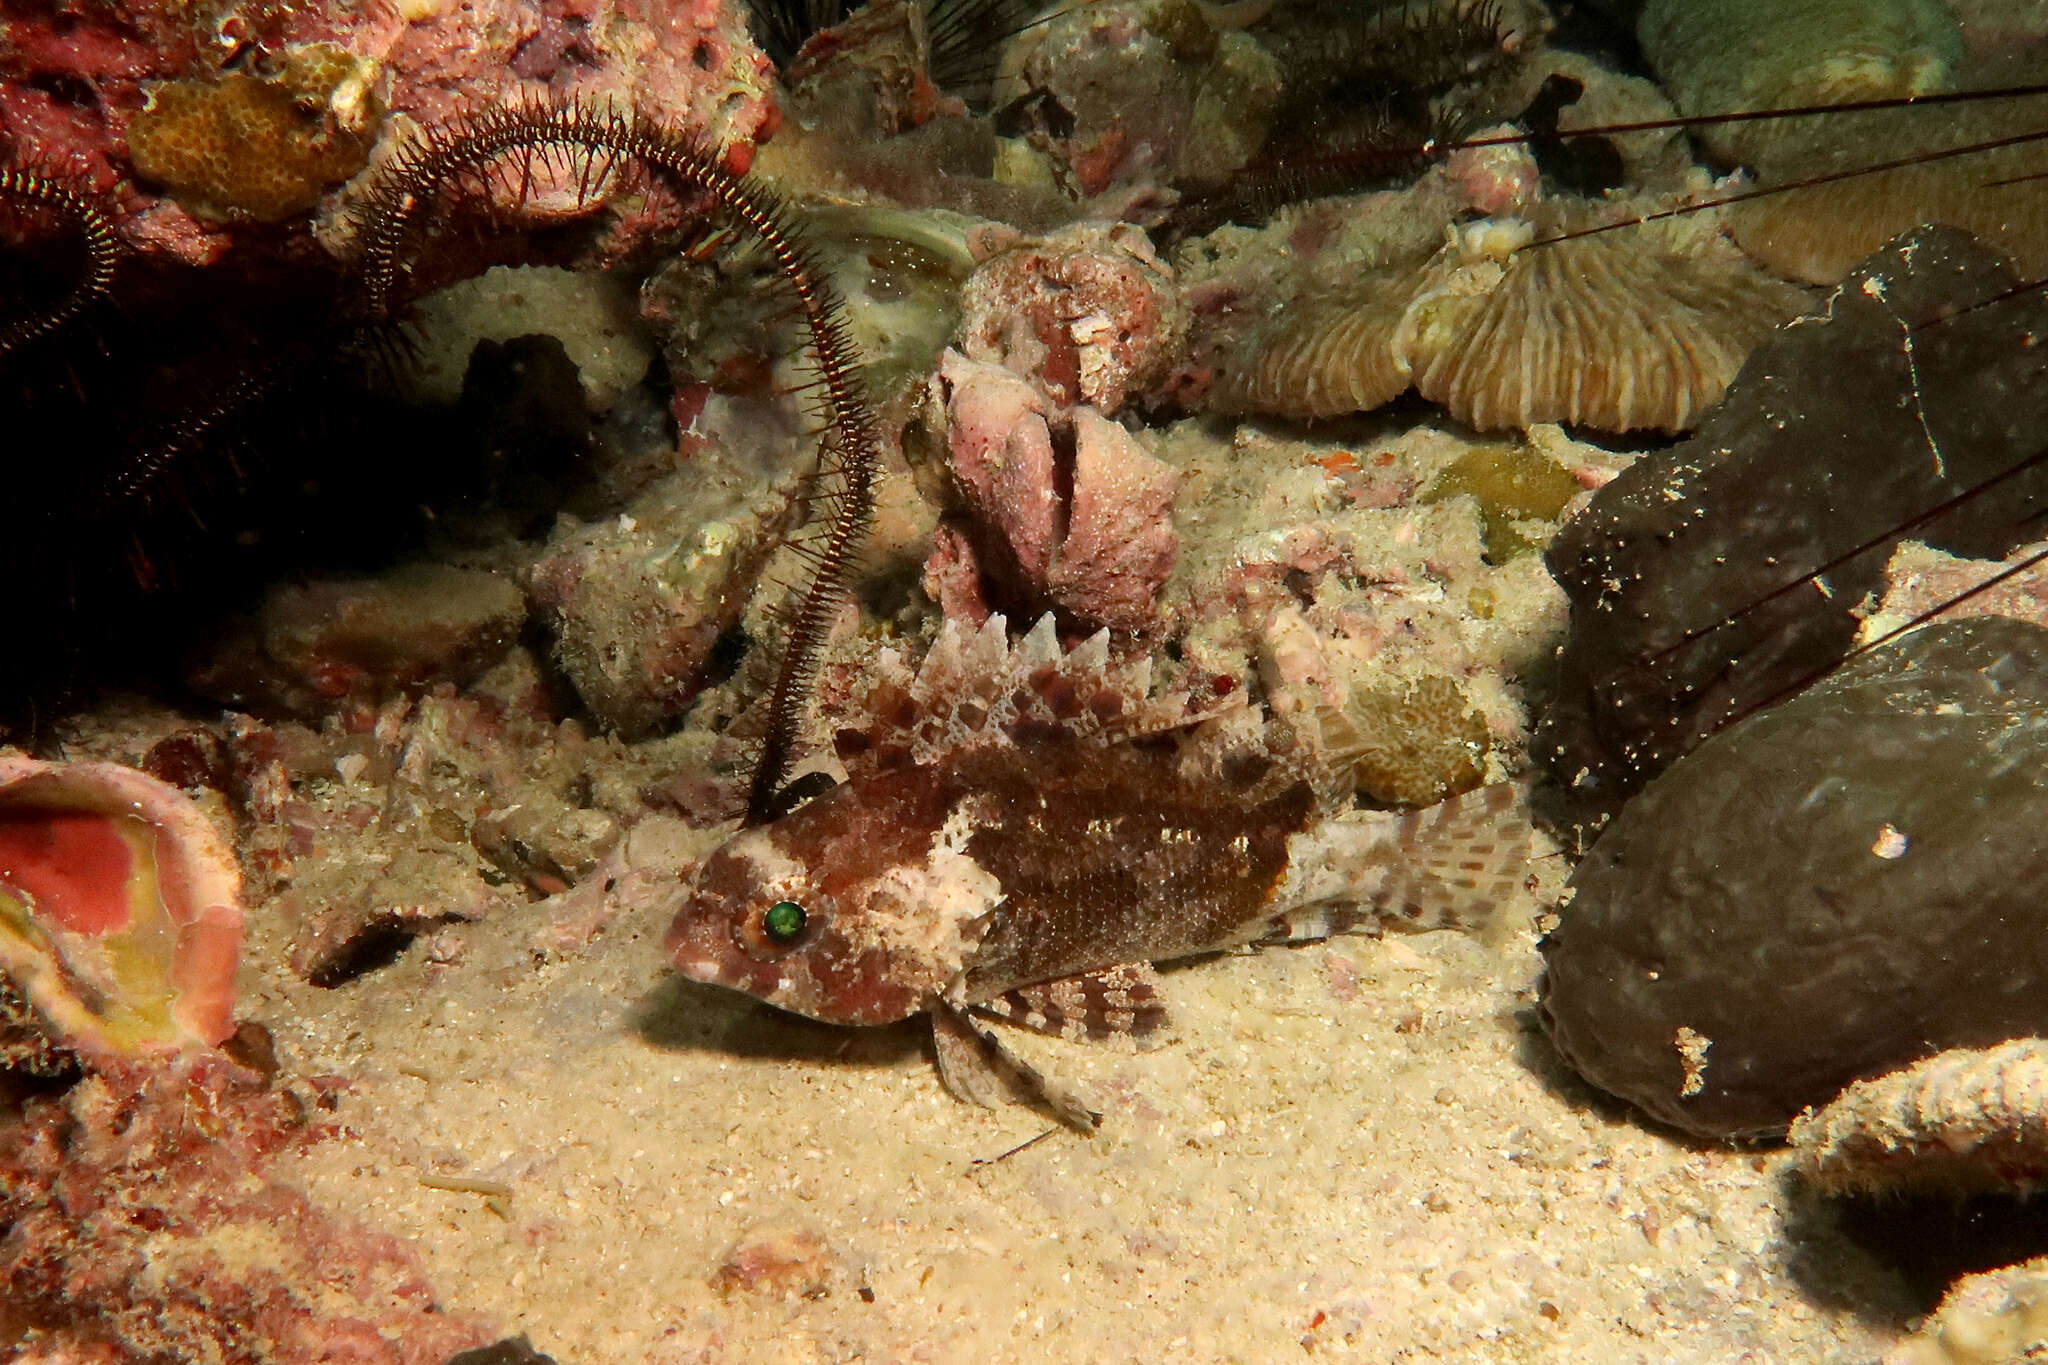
704	970
763	981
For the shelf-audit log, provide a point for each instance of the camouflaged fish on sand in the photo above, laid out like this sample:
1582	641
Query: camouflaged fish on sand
1023	832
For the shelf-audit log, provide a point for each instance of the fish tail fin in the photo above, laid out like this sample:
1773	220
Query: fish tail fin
1459	863
1456	865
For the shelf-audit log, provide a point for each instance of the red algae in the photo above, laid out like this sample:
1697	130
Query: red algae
143	1220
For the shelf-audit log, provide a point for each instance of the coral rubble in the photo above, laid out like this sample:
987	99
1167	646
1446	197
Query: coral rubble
638	602
1990	1318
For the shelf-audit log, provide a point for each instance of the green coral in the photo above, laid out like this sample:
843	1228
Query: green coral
1414	744
1511	483
238	146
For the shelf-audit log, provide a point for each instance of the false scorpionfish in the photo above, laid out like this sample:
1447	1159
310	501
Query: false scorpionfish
1024	832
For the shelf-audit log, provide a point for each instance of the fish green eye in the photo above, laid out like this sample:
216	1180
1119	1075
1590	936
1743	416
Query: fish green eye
784	921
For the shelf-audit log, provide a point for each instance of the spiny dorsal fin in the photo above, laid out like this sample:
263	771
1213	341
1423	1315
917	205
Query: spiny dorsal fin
976	688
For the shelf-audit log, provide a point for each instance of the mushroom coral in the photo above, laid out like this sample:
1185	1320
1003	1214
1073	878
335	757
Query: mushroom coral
1620	331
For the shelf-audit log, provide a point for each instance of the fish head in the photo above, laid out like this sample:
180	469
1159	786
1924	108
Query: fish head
857	908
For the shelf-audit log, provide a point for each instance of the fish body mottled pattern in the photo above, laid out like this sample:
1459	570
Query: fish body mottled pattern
964	880
1001	868
1106	857
1026	830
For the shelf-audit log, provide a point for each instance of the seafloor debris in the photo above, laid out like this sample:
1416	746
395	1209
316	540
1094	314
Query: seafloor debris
782	1262
1965	1121
1923	583
1835	887
1691	574
120	909
428	813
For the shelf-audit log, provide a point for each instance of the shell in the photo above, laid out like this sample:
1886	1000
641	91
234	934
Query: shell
120	908
1962	1121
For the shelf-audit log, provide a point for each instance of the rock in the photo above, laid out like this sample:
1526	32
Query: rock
1089	313
1822	446
637	602
320	647
1059	509
1830	890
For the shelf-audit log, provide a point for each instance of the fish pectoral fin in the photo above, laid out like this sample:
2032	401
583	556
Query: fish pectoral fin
1094	1005
977	1068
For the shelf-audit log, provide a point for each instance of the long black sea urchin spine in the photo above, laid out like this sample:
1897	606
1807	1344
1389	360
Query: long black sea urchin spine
845	474
40	188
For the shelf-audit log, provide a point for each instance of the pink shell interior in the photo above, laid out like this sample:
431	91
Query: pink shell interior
73	865
125	904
